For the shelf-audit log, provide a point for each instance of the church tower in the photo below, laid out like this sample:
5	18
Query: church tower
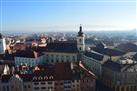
2	45
81	40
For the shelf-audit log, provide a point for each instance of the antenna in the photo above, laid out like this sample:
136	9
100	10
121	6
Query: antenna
80	24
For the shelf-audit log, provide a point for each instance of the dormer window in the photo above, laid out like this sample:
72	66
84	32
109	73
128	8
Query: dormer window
45	77
34	78
40	78
51	77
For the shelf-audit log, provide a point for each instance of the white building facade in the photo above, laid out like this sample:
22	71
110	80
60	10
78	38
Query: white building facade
94	62
29	61
53	57
81	40
2	45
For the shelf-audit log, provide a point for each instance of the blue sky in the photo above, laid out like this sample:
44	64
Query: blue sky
40	15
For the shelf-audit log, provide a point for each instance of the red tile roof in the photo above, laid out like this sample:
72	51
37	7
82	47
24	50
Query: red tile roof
27	54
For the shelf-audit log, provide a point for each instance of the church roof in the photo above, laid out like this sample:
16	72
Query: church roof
62	47
59	47
27	54
80	33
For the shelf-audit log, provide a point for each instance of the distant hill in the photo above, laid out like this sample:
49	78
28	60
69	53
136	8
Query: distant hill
127	47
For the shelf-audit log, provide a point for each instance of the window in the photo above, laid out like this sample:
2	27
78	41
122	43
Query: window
67	86
62	57
3	88
25	86
56	83
43	87
80	48
47	60
61	83
52	61
73	58
135	88
36	88
43	83
69	81
122	89
7	88
49	82
87	80
51	77
45	77
12	87
56	56
68	58
79	40
34	78
40	78
50	87
36	83
47	55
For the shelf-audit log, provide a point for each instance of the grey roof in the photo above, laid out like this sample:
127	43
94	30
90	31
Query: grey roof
109	51
95	55
120	67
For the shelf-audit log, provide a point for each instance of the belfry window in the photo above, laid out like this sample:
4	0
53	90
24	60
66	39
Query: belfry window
80	48
79	40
